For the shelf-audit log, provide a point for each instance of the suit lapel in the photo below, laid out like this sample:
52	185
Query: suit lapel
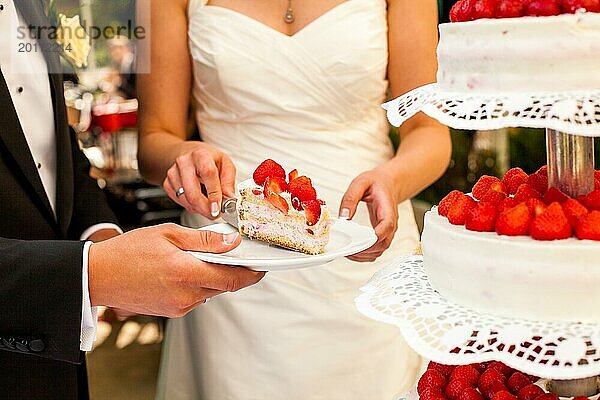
33	12
12	135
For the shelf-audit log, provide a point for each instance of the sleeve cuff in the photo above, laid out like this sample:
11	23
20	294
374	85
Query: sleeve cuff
89	314
95	228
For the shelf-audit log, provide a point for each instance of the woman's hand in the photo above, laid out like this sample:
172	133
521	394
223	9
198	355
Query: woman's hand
205	174
377	189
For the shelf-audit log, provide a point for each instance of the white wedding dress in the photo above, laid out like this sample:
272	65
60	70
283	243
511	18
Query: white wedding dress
310	101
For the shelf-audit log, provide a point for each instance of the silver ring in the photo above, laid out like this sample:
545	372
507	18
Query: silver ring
180	191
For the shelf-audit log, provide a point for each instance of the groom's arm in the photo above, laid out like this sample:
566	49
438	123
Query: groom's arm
41	297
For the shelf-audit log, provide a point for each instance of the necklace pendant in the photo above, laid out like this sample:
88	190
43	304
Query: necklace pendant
289	16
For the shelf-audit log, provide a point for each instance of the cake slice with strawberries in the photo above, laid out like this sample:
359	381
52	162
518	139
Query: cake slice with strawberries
283	209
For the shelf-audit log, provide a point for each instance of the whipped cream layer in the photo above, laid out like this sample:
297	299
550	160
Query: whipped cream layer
516	277
528	54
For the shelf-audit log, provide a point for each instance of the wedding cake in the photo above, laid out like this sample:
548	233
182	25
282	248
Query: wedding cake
514	247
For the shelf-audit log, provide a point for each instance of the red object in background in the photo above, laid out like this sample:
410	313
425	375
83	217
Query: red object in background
114	122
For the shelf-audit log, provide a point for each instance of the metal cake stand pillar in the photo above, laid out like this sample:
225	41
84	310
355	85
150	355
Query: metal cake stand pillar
570	162
571	170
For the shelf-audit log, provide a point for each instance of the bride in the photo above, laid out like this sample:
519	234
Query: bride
301	82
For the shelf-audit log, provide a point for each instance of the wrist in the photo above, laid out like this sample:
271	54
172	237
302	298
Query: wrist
95	280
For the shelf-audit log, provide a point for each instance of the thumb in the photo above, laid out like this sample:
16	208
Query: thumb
202	240
351	198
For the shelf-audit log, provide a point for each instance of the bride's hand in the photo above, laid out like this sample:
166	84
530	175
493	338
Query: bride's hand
376	189
205	174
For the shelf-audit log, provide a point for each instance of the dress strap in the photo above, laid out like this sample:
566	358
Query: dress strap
195	5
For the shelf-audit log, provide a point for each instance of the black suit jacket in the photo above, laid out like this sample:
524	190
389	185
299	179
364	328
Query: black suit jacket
40	255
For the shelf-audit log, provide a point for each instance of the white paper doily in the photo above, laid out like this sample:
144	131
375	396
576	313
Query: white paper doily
451	334
575	112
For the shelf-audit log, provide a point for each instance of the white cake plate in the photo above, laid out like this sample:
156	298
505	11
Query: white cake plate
574	112
452	334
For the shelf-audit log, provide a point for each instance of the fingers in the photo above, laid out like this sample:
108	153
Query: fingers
223	278
227	175
352	197
384	216
207	171
171	184
191	184
199	240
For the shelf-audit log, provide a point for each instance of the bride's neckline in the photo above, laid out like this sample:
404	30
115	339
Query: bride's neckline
269	28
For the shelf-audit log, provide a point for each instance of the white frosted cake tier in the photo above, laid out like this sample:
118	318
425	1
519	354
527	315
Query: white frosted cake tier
528	54
513	276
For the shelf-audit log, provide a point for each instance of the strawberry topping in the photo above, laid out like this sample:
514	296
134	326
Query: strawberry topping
482	218
588	226
278	202
266	169
447	201
312	209
514	221
457	214
274	184
573	210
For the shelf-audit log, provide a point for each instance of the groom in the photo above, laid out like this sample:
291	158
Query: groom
50	281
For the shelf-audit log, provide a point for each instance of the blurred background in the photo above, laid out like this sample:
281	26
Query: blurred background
103	110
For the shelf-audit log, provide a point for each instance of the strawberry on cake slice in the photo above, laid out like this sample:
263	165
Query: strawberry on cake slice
283	210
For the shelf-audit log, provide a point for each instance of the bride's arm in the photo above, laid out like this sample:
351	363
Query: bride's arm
165	156
425	145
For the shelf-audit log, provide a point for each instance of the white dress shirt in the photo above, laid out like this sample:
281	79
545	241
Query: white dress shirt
26	75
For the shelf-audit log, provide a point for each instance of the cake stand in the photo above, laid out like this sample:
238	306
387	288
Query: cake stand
567	353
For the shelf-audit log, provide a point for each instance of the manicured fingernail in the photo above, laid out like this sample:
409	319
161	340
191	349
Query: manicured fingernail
230	238
215	209
345	213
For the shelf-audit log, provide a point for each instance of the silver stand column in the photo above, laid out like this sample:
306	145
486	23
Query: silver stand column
570	162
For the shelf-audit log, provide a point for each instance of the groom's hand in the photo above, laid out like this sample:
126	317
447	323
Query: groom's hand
146	270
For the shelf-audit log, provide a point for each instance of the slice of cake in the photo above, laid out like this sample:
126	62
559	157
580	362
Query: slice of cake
283	212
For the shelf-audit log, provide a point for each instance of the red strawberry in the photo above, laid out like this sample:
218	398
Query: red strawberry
502	368
467	9
588	226
539	8
514	221
447	201
432	394
504	395
554	194
484	9
278	202
305	193
457	214
431	379
312	209
536	207
552	224
456	14
455	388
514	177
446	370
573	211
505	204
482	218
274	184
526	191
510	9
487	379
266	169
539	179
297	204
495	194
470	393
494	388
517	381
467	373
530	392
483	185
547	396
592	200
572	6
299	181
292	175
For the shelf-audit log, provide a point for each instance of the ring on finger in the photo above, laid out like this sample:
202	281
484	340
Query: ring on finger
180	191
